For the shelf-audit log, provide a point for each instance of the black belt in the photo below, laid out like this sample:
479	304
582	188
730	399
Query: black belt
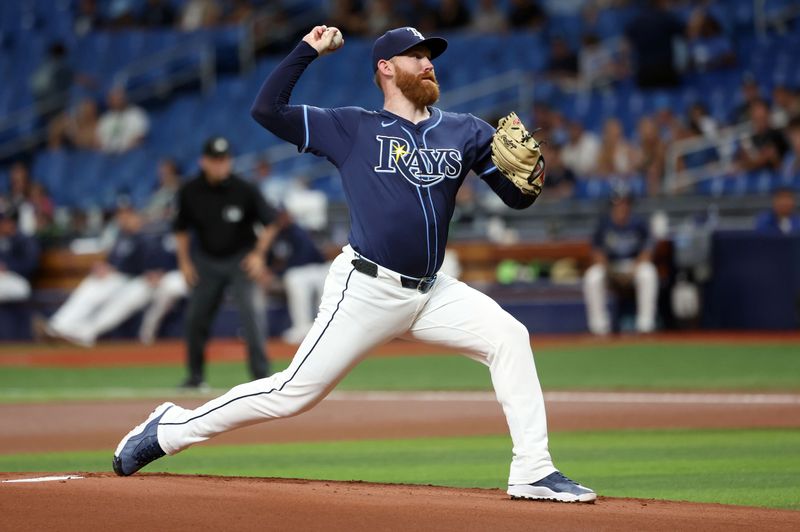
423	285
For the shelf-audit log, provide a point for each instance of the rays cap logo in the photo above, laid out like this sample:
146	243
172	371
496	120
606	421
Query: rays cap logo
400	40
217	147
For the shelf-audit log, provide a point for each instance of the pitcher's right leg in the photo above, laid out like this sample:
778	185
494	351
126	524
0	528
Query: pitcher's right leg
357	313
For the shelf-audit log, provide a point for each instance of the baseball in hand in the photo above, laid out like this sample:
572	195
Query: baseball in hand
336	40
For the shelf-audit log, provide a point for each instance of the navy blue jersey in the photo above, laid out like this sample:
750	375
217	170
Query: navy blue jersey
127	254
292	247
400	179
621	242
160	252
20	254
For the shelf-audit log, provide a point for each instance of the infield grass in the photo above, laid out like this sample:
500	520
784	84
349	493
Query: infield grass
662	366
746	467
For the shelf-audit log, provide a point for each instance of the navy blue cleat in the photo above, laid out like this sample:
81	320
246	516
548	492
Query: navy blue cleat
553	487
140	446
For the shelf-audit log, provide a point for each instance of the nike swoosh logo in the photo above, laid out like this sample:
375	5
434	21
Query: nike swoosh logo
385	124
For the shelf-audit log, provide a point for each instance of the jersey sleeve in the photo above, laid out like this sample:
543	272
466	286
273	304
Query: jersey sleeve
324	132
330	133
486	170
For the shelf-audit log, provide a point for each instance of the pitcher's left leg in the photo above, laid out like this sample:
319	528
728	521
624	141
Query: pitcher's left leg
461	317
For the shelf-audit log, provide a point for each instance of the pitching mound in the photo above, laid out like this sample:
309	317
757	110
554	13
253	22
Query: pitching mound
173	502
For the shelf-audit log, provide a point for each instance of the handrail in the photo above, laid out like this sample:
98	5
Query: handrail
762	20
186	49
724	142
206	74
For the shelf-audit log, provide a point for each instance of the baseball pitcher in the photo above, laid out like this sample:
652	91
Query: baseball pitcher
401	167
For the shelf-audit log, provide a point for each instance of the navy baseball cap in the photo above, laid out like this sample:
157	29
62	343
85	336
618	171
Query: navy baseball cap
397	41
217	147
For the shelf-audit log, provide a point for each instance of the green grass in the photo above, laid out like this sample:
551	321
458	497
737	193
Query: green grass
604	367
747	467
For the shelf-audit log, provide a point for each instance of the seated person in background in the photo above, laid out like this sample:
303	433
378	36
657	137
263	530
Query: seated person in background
166	281
765	148
19	257
622	257
104	298
295	258
790	167
161	207
783	217
123	126
560	182
76	128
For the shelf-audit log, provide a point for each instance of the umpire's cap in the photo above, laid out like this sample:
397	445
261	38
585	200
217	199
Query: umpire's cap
397	41
217	147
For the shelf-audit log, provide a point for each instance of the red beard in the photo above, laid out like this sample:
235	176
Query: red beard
418	91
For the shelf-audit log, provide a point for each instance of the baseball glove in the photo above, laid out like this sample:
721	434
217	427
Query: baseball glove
517	155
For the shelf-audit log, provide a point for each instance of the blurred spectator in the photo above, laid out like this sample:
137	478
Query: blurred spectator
295	259
161	207
198	14
765	148
650	155
87	18
103	299
617	156
273	187
452	15
419	14
121	14
18	199
123	126
651	33
240	11
526	14
582	151
749	92
785	106
76	129
156	14
783	217
791	163
19	258
349	16
596	63
560	180
622	250
380	17
51	82
43	208
702	123
488	17
563	65
708	47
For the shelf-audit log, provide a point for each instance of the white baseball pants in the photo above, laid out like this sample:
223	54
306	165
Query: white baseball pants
13	287
595	293
304	286
170	289
93	292
357	314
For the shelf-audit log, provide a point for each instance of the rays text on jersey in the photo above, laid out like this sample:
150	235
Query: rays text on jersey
420	166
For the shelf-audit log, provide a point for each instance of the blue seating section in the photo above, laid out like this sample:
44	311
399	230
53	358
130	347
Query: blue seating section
180	125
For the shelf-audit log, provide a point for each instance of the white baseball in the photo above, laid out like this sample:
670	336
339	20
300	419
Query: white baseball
336	40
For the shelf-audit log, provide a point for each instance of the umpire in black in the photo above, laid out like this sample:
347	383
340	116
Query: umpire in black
222	211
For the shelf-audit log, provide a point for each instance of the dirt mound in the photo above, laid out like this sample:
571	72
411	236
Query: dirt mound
175	502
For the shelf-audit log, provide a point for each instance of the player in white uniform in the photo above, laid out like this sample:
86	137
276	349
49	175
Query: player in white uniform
401	168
